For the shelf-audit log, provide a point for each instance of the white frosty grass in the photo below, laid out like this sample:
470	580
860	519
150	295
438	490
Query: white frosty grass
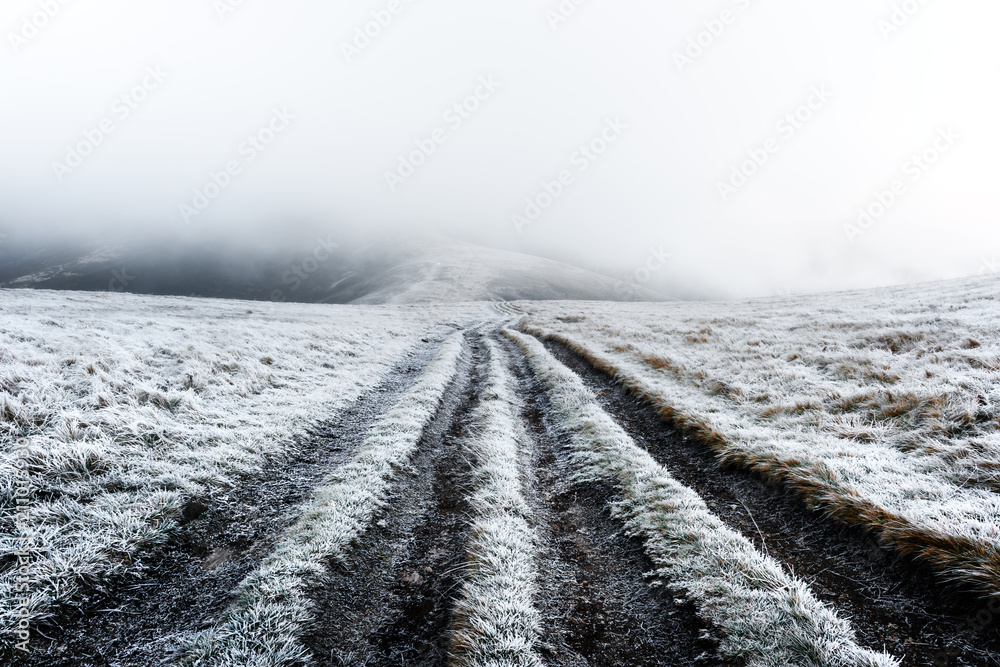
495	623
271	612
134	404
765	616
881	408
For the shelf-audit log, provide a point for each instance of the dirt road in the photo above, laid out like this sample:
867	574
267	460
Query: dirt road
391	603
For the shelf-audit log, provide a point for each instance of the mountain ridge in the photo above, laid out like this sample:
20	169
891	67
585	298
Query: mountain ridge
425	269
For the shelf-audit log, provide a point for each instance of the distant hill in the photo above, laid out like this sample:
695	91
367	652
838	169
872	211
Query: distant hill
423	270
441	271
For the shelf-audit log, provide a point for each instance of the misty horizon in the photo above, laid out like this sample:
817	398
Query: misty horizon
766	148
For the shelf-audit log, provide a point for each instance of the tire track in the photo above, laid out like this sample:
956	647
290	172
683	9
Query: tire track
224	537
391	605
893	604
597	607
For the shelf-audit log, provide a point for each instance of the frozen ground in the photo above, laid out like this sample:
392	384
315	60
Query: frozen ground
882	408
134	405
232	482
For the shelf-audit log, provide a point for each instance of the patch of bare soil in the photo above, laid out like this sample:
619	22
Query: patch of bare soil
190	581
391	604
893	603
597	605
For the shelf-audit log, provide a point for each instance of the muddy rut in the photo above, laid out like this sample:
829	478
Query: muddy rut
224	536
893	604
597	606
391	604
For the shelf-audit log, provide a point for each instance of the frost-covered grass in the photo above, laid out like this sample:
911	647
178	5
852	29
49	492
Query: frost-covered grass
764	615
495	622
881	408
271	612
132	405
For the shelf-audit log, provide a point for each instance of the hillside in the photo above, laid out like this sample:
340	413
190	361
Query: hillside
438	271
319	270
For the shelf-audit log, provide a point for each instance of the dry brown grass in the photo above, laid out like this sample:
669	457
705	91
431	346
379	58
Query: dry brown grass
958	560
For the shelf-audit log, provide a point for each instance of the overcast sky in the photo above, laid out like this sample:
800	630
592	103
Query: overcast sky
739	137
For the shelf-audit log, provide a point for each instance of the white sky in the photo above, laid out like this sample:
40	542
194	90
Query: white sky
656	186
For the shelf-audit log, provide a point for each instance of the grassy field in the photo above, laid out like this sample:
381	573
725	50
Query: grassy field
135	405
804	481
881	408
